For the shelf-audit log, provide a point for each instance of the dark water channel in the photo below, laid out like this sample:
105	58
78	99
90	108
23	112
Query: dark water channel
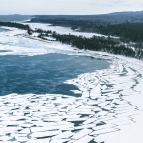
45	73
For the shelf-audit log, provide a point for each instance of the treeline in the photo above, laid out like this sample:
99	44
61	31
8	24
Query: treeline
42	32
16	25
98	44
130	29
127	31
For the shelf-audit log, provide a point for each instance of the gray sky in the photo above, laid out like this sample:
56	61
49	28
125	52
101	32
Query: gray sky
68	6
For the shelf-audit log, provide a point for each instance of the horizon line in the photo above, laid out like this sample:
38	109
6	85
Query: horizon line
72	14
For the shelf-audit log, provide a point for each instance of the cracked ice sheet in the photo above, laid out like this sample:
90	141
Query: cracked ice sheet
130	133
97	132
136	99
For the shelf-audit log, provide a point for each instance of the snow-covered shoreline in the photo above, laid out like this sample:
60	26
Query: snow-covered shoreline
110	108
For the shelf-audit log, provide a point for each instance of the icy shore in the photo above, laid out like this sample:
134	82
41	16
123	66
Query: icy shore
110	109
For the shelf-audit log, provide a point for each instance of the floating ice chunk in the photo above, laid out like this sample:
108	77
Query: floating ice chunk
59	140
21	139
5	138
10	142
90	120
85	94
86	126
103	131
45	134
25	131
121	123
81	133
64	135
85	139
76	91
76	119
47	140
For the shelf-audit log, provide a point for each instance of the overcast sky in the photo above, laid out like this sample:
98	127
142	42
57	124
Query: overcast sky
68	6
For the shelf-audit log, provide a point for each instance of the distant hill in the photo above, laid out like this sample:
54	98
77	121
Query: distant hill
14	17
127	13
